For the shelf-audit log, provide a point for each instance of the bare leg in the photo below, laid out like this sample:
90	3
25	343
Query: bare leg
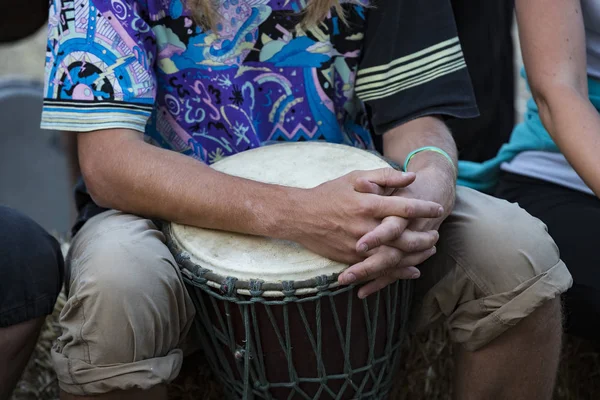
520	364
16	345
156	393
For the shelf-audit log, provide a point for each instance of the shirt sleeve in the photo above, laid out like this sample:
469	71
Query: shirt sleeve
99	66
413	64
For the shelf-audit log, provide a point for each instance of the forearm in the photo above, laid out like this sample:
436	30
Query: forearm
574	124
554	52
130	175
429	166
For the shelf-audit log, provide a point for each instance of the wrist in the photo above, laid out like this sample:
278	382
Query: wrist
432	151
441	184
283	218
440	163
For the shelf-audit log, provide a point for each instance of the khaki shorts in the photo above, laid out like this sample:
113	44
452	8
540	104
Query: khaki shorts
128	312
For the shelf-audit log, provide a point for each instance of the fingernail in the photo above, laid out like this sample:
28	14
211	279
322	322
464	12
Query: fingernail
415	275
363	248
433	250
440	211
361	295
348	278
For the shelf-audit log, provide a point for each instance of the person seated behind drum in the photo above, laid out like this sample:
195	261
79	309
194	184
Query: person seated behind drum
551	165
157	97
31	273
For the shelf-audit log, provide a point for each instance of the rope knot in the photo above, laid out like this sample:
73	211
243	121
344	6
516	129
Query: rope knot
288	289
323	282
228	287
256	288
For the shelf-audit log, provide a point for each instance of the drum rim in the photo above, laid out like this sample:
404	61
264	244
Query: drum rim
200	276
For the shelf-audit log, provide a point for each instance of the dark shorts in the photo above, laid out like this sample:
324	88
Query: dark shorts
31	269
573	220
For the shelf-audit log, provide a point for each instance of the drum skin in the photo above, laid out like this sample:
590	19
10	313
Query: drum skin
301	165
273	322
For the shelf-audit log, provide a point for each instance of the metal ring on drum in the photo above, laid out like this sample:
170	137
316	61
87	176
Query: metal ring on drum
273	321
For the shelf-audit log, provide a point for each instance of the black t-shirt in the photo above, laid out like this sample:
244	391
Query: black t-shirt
413	64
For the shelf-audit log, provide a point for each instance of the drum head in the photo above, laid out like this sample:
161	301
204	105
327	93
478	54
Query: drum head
246	257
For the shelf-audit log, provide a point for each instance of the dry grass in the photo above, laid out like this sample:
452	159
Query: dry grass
426	372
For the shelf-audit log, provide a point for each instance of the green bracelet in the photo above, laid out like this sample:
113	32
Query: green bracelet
426	148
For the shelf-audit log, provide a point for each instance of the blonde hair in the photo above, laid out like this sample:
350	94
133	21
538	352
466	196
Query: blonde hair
206	12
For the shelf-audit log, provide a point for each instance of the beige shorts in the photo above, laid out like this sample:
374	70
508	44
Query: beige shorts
128	312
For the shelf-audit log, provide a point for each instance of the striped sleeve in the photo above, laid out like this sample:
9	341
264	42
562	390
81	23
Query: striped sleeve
98	71
413	64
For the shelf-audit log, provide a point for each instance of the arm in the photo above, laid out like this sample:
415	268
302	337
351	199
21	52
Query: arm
405	83
406	90
433	170
125	173
553	43
435	181
407	241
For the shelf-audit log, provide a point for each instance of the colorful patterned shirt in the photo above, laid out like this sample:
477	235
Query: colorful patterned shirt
258	77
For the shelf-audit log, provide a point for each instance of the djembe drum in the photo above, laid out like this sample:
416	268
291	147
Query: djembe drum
274	323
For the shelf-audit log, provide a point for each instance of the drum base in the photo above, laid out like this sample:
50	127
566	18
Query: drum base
327	346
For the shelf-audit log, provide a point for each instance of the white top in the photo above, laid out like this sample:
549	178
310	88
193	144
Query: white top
547	166
303	165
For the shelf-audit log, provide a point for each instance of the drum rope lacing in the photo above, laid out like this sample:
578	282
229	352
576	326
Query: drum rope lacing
261	386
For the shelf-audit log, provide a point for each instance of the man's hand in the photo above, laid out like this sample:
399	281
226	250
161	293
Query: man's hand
413	235
393	230
412	240
398	244
337	213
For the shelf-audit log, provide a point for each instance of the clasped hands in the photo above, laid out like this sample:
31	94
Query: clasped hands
378	222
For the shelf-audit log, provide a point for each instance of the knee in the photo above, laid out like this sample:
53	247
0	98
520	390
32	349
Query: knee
512	246
508	270
121	262
32	269
124	263
124	284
